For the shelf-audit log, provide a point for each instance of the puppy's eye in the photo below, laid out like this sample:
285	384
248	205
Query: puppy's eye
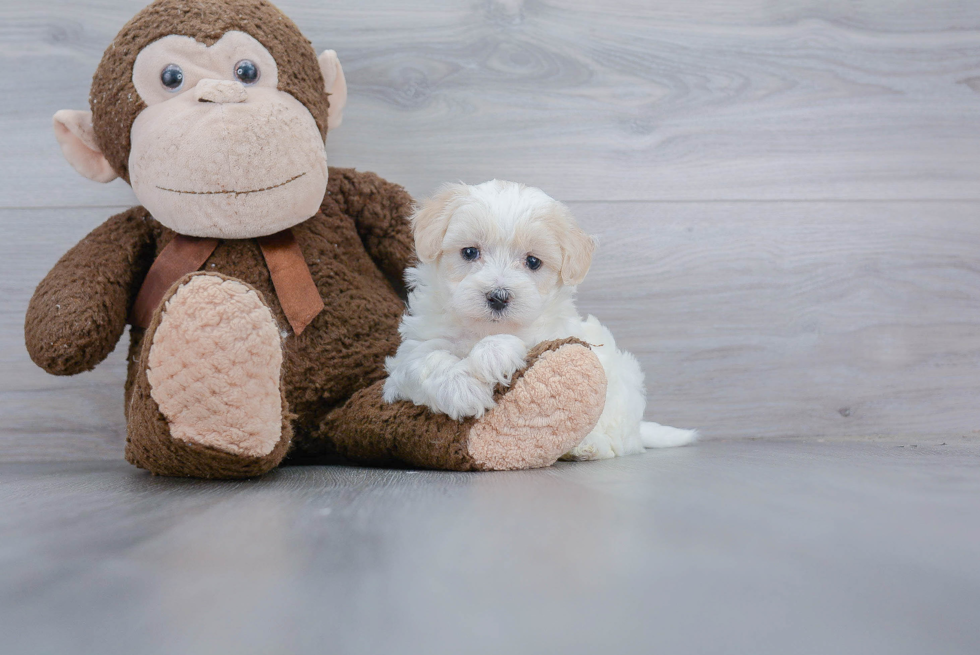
172	77
470	254
533	262
247	72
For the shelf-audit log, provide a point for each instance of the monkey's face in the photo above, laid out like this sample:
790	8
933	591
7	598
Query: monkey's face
219	151
216	114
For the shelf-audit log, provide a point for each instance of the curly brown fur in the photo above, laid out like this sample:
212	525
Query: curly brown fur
116	104
370	431
79	310
84	300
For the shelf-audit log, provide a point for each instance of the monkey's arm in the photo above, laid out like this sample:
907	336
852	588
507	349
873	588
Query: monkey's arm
380	211
79	310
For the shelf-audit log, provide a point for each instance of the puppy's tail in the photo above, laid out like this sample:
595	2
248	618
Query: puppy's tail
655	435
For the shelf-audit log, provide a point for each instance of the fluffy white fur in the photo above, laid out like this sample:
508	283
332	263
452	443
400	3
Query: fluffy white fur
459	339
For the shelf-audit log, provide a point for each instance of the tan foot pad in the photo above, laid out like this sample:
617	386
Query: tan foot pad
214	367
548	411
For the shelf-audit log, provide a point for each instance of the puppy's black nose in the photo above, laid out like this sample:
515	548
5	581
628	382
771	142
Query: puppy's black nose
498	299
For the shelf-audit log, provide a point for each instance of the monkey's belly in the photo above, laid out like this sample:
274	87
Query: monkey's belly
341	352
344	347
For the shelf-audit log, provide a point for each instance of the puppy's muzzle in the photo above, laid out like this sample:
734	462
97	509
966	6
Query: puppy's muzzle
497	299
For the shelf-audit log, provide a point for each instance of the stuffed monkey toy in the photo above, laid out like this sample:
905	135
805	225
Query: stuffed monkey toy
255	279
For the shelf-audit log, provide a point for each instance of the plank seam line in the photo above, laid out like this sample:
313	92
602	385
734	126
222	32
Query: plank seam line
619	201
800	201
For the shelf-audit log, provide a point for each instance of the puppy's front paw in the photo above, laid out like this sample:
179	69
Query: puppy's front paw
496	358
460	395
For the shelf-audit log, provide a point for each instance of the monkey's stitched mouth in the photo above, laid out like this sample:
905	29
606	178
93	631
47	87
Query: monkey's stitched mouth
237	193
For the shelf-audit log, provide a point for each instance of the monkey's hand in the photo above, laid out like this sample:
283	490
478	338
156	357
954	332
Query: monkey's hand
79	310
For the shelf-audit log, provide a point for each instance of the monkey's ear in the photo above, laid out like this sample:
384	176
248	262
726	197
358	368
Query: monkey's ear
431	220
336	85
73	129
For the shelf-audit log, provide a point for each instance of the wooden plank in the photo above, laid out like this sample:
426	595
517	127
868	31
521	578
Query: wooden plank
750	319
591	101
770	548
776	319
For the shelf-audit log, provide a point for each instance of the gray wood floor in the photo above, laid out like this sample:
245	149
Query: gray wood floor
847	547
788	200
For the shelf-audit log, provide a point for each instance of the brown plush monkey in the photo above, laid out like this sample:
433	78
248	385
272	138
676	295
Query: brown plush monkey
254	277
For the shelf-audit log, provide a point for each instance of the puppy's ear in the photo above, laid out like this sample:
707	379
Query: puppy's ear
431	220
577	248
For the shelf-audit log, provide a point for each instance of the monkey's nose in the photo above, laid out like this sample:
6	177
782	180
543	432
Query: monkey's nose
498	299
220	91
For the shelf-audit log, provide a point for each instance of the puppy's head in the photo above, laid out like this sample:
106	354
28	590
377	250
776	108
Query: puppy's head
501	250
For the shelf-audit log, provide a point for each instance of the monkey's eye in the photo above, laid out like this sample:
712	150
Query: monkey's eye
533	262
246	72
470	254
172	77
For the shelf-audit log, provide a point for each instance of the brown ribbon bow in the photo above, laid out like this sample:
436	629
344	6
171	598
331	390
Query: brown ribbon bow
297	293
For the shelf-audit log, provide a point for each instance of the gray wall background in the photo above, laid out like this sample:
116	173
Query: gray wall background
787	193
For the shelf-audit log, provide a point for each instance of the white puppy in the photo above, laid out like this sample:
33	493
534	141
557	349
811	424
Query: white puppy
498	267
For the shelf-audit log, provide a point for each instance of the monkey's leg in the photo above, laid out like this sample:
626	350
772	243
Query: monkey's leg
551	406
207	399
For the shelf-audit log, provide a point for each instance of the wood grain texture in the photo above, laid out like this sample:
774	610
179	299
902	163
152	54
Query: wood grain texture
778	319
783	190
766	547
750	320
788	200
617	100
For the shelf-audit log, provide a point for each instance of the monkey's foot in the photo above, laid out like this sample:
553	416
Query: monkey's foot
207	400
548	410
